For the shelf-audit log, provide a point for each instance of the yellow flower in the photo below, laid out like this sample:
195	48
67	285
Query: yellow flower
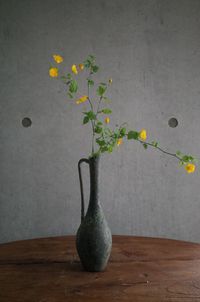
119	141
190	168
110	81
107	120
74	69
81	66
53	72
143	135
58	59
82	99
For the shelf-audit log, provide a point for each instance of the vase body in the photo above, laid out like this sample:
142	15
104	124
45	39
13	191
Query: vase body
93	239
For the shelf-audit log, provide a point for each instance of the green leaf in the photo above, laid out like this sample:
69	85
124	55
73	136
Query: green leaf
91	115
91	57
133	135
123	131
85	120
63	78
100	142
90	82
155	144
104	149
87	64
116	134
110	149
145	146
98	130
101	90
106	111
89	61
73	87
95	68
186	158
178	153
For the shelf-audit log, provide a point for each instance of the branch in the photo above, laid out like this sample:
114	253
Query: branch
99	105
92	122
160	149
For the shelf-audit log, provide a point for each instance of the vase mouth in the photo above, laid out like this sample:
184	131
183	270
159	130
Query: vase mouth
94	160
94	156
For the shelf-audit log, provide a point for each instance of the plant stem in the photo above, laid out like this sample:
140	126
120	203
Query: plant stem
98	105
92	122
160	149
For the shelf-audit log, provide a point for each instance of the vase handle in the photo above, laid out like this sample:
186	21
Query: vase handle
81	186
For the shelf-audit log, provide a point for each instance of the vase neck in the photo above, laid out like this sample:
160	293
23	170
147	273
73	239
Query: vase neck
94	181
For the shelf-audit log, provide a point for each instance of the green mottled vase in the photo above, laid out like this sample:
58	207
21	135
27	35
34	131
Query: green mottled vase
93	239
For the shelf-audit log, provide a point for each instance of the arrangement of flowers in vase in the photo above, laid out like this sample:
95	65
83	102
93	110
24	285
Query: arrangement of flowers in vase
105	139
94	240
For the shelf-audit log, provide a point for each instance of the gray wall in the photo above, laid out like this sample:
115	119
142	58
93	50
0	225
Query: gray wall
152	51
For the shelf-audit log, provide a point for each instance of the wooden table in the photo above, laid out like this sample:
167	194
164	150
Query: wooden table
140	269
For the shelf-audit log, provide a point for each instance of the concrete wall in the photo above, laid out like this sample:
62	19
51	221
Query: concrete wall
152	51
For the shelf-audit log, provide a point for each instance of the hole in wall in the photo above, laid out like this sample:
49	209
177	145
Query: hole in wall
26	122
173	122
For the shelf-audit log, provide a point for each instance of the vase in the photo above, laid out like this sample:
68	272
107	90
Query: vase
93	239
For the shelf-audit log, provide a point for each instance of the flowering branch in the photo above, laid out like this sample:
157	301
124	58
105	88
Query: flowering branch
106	138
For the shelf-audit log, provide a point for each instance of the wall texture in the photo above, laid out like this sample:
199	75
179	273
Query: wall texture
152	51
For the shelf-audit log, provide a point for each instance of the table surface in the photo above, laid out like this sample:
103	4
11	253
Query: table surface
140	269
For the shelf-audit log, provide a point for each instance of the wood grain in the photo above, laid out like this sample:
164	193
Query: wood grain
140	269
